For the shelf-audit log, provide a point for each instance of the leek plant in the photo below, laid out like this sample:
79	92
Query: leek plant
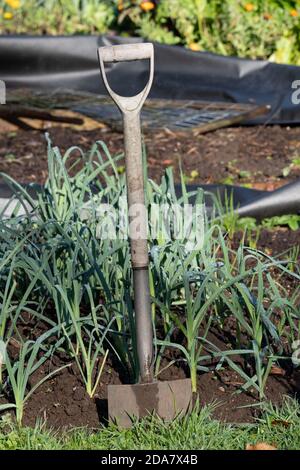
215	284
19	372
90	337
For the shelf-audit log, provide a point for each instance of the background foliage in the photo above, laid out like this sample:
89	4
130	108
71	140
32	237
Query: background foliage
266	29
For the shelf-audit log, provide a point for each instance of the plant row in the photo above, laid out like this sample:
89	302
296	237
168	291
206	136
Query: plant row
59	271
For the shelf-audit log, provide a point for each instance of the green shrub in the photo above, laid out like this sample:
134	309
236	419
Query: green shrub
258	29
57	16
264	29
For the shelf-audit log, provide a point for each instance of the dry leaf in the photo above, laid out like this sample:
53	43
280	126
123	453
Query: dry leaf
267	185
260	446
280	422
16	344
275	370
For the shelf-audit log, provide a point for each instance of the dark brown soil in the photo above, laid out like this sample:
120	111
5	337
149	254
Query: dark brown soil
235	407
257	156
63	400
278	241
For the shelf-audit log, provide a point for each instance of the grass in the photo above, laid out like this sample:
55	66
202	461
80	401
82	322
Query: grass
277	426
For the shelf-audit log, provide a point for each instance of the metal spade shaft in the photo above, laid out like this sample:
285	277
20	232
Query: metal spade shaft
138	243
130	108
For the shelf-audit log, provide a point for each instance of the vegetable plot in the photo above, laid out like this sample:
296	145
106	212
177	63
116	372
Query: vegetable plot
59	270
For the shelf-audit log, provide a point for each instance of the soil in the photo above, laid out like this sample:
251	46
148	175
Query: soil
63	402
276	241
261	157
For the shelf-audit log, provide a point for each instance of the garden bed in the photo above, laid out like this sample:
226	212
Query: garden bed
62	401
232	154
260	157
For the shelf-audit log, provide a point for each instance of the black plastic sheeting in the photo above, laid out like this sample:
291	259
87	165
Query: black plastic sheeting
253	203
285	200
247	202
70	62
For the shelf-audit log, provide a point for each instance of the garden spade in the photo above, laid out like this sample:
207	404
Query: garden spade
168	398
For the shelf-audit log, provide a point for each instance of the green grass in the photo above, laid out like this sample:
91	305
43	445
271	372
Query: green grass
279	427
